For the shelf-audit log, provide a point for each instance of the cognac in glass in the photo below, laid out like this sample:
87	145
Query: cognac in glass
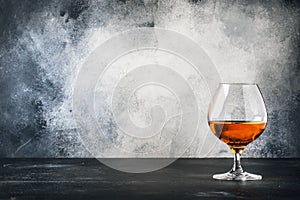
237	116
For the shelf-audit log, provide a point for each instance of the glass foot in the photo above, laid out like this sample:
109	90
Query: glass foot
243	176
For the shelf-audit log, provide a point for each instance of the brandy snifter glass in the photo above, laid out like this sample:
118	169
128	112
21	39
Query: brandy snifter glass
237	116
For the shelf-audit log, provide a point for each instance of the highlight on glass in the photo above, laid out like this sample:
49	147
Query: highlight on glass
237	116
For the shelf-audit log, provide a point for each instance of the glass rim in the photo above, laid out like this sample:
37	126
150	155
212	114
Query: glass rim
238	84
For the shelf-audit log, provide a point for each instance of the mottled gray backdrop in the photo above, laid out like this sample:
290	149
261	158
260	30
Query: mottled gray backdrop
43	43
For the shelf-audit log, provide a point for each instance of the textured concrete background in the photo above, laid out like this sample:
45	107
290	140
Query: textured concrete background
43	44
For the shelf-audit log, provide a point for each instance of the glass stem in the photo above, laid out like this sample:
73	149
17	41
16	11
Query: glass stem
237	167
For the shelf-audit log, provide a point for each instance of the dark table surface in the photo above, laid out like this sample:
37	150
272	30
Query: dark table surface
184	179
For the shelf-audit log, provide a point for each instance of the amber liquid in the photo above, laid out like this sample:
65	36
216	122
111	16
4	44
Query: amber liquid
237	134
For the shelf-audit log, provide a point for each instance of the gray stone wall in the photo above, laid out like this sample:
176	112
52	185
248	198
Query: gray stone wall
43	44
